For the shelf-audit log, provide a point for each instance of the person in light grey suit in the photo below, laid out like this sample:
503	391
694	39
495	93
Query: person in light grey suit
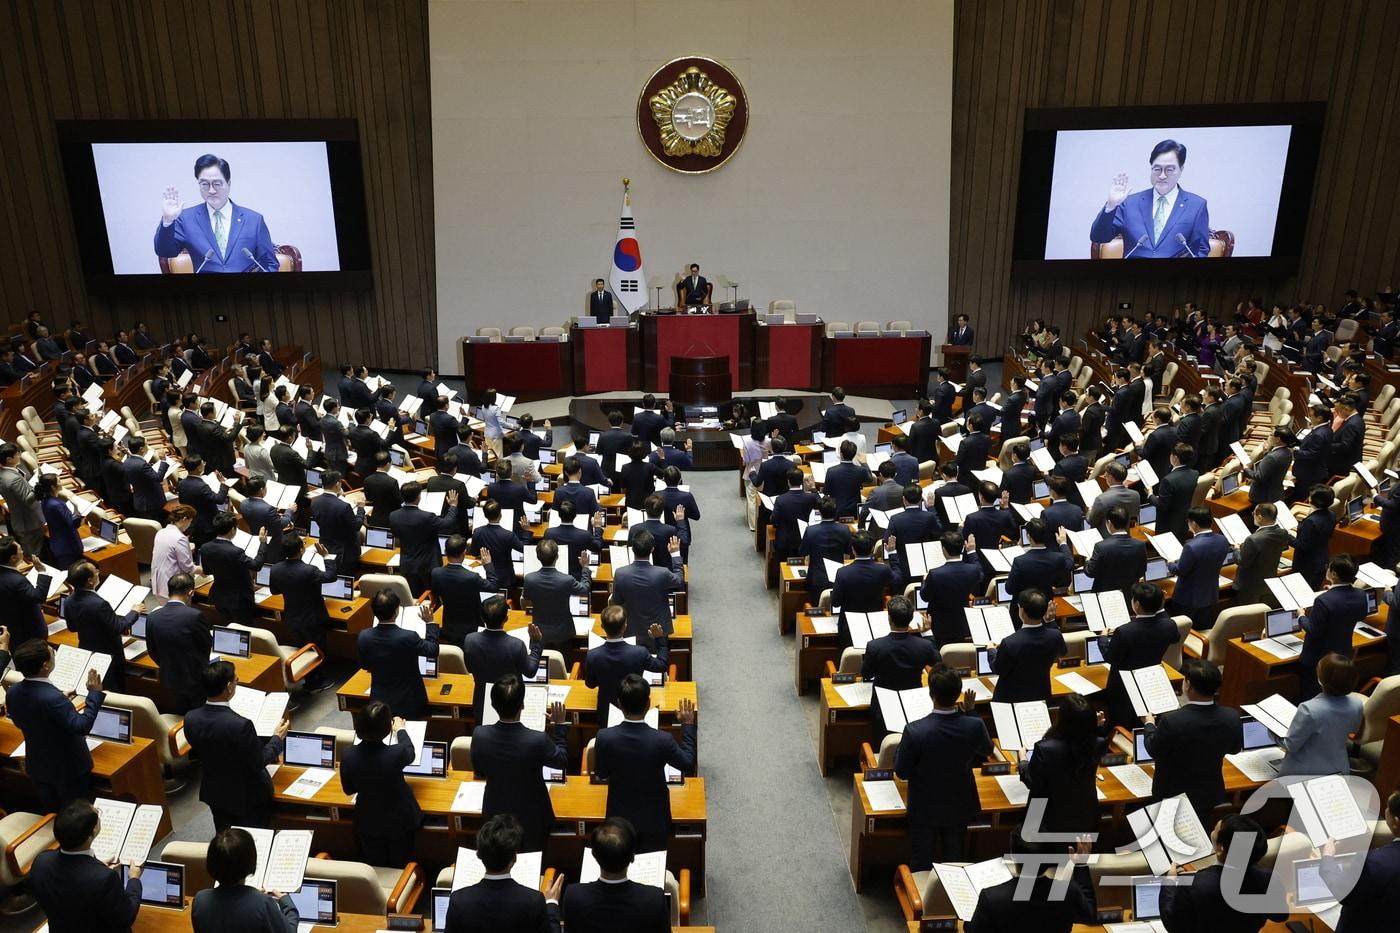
256	457
1319	735
1259	557
26	518
642	588
1115	495
549	591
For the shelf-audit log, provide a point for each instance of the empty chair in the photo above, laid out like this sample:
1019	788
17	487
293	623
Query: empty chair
551	332
297	663
459	754
867	327
1346	330
165	730
1232	623
372	583
365	889
523	330
142	532
837	327
1380	706
1168	375
784	306
898	327
1173	655
493	332
1384	396
23	836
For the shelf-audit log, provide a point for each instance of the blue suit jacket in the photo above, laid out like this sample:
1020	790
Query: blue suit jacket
632	756
1328	625
1133	218
54	735
1198	571
192	231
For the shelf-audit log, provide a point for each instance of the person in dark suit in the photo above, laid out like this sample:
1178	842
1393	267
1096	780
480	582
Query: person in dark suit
694	291
1157	448
615	902
1064	424
1310	458
1046	565
1213	901
631	756
947	588
600	302
491	653
906	466
1012	407
679	507
889	494
1161	222
195	493
770	476
989	524
1116	494
56	753
1018	481
216	442
232	570
1197	591
1022	660
1371	897
1328	626
860	586
962	334
364	440
1267	473
577	540
97	626
1312	542
1119	560
647	423
613	441
497	903
512	495
287	463
353	393
333	435
417	534
644	589
838	417
386	814
937	756
1259	556
381	490
584	499
511	758
912	524
1046	393
338	523
662	530
232	905
924	434
1208	455
1062	512
445	429
457	590
146	482
1234	410
550	594
261	516
950	489
1175	491
1189	431
1091	426
942	397
1346	447
668	454
1062	766
189	422
1188	744
235	786
117	492
825	540
307	418
77	892
499	541
793	505
1048	906
1140	642
179	641
299	584
1119	411
390	653
605	666
1073	466
1315	348
973	451
897	661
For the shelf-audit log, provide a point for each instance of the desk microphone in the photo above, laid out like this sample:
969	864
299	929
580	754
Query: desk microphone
208	255
248	254
1141	240
1181	238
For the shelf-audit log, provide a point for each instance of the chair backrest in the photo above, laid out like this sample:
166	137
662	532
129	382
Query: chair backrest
835	327
146	722
555	664
1004	459
1168	374
1203	485
1345	488
151	396
889	747
1232	623
1173	655
358	890
344	738
522	330
551	331
459	753
867	327
898	326
1115	893
14	826
1383	703
1346	329
451	660
851	660
142	532
1100	465
31	415
372	583
1384	396
493	332
192	856
781	304
959	655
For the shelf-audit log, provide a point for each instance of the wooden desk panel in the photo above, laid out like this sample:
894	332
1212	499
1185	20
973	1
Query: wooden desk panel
1251	674
668	335
532	370
883	367
788	356
261	671
159	920
606	359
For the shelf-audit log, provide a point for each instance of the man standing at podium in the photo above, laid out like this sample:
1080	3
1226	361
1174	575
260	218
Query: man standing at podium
695	291
600	303
961	335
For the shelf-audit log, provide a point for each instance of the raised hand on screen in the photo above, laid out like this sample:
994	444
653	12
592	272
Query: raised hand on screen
1117	192
169	206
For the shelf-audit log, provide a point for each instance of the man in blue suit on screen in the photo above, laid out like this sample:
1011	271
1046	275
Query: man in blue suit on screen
1163	222
220	236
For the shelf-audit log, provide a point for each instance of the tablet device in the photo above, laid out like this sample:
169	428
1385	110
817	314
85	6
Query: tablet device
1147	515
432	761
138	628
315	902
339	588
264	577
548	455
1229	484
1157	570
1083	583
107	531
232	642
163	885
1255	734
379	537
112	723
984	662
440	899
309	750
427	667
1140	753
314	478
1309	887
1094	649
1281	622
899	415
1147	895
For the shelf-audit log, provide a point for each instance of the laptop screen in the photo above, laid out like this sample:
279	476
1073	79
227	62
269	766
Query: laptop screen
441	897
264	575
899	415
984	662
339	588
313	478
163	885
1040	489
1083	583
1229	484
112	723
547	455
1147	515
138	628
1255	734
1094	649
309	750
396	457
315	902
107	531
432	761
1281	622
1355	507
1157	570
379	537
232	642
1147	894
883	448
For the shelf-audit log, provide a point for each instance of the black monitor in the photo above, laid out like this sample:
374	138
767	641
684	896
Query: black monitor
1094	649
1147	894
1281	622
440	899
107	531
339	588
432	761
264	576
1229	484
1140	753
112	723
1147	515
379	538
163	885
232	642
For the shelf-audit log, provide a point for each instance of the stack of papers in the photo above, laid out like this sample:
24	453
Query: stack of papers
857	694
1078	683
1137	781
1258	764
470	797
883	796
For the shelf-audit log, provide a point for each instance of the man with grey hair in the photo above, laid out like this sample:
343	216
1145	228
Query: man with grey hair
26	519
668	454
1115	495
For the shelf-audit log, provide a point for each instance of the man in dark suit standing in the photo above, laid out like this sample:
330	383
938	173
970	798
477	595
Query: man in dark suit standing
1119	560
381	490
912	524
1209	454
663	531
511	757
576	540
179	640
75	890
942	397
1197	591
236	785
844	480
647	423
1310	459
1372	900
600	302
644	589
216	441
1018	482
289	465
1175	490
1347	444
615	902
498	902
976	379
973	450
790	507
491	653
860	586
838	418
417	533
365	441
1189	744
1329	623
961	334
1062	512
56	753
1266	474
299	584
1048	906
1157	449
1140	642
550	594
770	476
457	590
1234	409
937	756
1259	557
1046	565
584	499
1120	411
1383	343
98	627
924	435
500	542
390	653
615	440
261	516
1064	424
308	419
989	524
694	291
1315	350
232	570
906	465
333	435
195	493
1022	660
147	483
605	666
896	661
947	588
337	521
825	540
632	757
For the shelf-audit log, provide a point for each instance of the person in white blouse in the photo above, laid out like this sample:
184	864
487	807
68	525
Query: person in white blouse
171	553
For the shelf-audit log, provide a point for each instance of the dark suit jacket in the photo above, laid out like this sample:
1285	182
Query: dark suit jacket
1201	905
585	500
390	654
643	588
234	763
445	429
501	542
417	533
838	418
492	654
366	444
923	438
1019	482
604	907
259	515
1175	491
549	591
307	420
1063	776
1345	449
573	542
500	906
116	489
179	641
1329	623
1042	569
1373	901
190	420
1140	642
1310	459
216	443
1063	514
662	533
1198	571
825	539
337	449
289	466
1000	911
937	756
990	524
1187	746
947	589
1266	476
1157	449
510	757
632	757
79	894
771	475
1066	422
1209	454
195	493
897	660
382	494
1022	663
844	482
147	492
787	509
513	496
911	525
100	629
56	752
972	455
960	336
459	590
1234	409
374	770
942	398
339	524
647	425
611	442
606	665
860	586
232	571
299	584
600	305
1118	561
242	909
1259	557
23	607
1310	552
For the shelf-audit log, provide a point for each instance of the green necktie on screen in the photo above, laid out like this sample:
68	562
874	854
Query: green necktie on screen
1159	218
221	235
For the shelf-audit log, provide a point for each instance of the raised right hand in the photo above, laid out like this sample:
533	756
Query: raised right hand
94	680
399	724
169	206
686	712
1117	192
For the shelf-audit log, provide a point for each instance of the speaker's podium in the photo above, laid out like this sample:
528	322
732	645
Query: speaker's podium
716	349
955	361
701	380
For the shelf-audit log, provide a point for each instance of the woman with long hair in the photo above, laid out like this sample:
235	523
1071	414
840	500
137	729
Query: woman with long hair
1062	769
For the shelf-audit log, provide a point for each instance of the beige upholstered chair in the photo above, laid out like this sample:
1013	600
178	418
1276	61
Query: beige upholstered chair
297	663
365	889
898	327
784	306
523	330
1232	623
372	583
1173	655
493	332
552	332
451	660
190	855
142	532
23	836
835	327
867	327
459	754
344	738
1112	865
851	660
1383	703
165	730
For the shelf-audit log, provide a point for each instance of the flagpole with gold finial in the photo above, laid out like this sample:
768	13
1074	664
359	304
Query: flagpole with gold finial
626	193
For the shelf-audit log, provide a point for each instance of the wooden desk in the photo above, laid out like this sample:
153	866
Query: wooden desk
355	614
158	920
884	366
533	369
1356	538
792	596
119	559
261	671
788	355
1251	674
606	359
813	651
1235	503
132	771
1388	771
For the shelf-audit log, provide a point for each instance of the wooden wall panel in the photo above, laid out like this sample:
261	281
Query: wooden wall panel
153	59
1011	55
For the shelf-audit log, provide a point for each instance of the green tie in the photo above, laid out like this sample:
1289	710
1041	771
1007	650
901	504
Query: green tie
220	234
1159	218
